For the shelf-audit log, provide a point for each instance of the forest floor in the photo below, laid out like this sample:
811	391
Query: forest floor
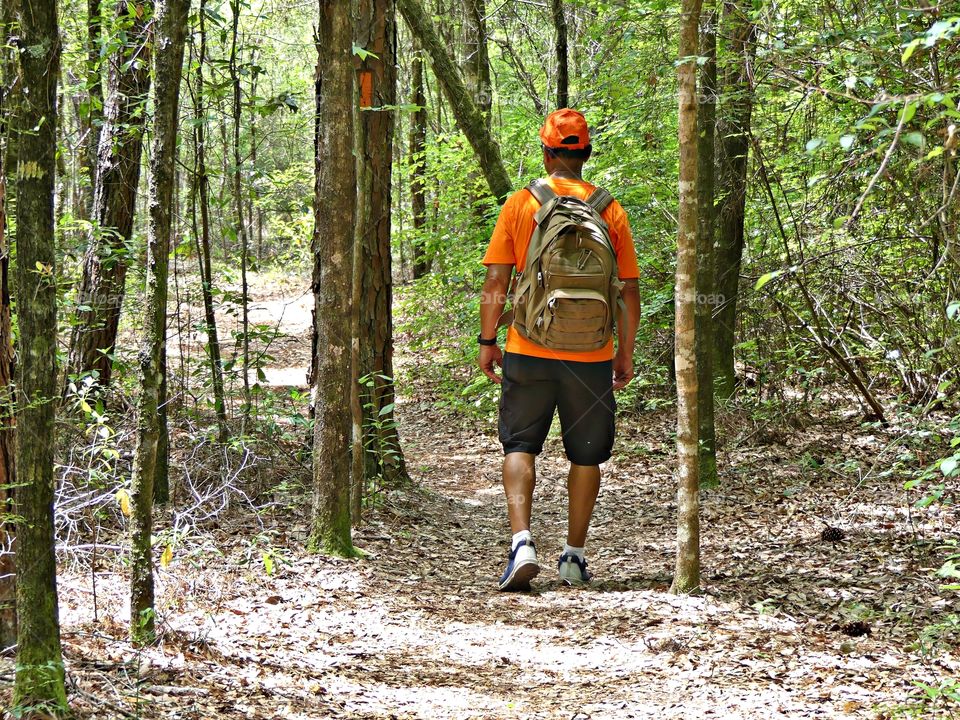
253	626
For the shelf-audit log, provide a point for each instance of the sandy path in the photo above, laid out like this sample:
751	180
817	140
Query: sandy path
417	629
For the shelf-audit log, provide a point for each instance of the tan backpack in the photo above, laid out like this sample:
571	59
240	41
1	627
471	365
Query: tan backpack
568	293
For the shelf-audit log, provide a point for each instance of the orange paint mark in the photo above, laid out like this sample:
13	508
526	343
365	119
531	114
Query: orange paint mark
366	89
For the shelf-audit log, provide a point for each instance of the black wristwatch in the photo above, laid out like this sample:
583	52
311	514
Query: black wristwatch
482	341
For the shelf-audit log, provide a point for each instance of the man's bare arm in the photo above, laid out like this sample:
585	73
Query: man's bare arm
627	324
493	297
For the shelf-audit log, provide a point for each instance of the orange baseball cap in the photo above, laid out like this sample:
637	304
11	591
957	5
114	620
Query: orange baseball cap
565	128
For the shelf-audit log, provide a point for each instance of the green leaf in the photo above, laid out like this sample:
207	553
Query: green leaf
847	141
814	143
906	115
363	53
949	570
914	138
948	465
764	279
386	409
910	49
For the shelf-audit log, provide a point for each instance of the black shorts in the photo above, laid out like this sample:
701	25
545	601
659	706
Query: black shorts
533	388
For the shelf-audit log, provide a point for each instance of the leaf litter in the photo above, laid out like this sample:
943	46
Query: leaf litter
792	622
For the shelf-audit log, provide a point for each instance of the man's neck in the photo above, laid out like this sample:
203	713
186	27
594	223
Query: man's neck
566	175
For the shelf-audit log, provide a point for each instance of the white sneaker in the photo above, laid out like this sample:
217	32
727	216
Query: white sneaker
522	567
573	569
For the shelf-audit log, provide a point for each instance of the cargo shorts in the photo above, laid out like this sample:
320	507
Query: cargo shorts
533	388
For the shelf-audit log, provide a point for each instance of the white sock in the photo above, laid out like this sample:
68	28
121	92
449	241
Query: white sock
520	537
567	550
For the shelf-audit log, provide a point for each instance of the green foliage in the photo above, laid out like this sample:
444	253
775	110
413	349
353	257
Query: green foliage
380	438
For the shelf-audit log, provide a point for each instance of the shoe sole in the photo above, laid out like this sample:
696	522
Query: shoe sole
521	577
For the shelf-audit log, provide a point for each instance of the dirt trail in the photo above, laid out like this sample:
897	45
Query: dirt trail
417	629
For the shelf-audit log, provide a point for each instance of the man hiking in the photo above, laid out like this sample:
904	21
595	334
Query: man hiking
571	246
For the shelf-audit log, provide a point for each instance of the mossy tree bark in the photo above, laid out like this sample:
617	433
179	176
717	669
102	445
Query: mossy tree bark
334	216
706	296
8	475
476	66
170	24
105	263
39	669
687	573
469	118
734	61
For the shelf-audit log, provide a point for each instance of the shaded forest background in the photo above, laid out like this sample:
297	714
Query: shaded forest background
828	250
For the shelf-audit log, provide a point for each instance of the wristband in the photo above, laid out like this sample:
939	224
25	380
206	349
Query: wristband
482	341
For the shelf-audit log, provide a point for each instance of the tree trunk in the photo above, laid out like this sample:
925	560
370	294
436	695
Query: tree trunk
241	223
417	161
91	117
200	193
706	131
734	60
39	667
469	118
379	446
170	24
334	214
560	26
687	574
118	173
8	475
476	68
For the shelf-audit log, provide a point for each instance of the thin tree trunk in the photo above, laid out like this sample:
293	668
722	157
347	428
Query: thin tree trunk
734	61
334	213
161	478
560	47
39	667
706	125
469	118
241	223
170	24
8	474
417	161
105	264
91	117
201	194
255	210
687	574
477	63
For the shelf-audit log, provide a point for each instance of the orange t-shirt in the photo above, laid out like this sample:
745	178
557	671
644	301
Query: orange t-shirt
511	237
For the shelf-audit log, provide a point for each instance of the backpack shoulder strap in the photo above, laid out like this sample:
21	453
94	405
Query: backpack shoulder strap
599	200
544	195
541	191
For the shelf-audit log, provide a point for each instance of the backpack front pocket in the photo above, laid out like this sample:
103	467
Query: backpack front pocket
575	319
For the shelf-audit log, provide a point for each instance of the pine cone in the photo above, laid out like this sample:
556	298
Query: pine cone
832	534
858	628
